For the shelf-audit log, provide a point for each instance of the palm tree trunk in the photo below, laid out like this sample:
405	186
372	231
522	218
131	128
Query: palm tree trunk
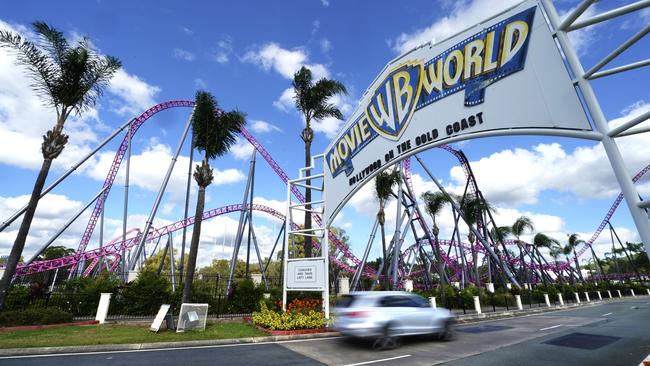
578	266
383	248
194	244
19	243
308	242
441	270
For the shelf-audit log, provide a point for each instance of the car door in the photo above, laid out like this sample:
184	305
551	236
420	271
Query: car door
405	314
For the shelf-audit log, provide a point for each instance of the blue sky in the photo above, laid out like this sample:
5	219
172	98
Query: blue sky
245	53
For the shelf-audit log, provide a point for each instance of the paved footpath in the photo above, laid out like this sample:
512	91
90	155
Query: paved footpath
609	333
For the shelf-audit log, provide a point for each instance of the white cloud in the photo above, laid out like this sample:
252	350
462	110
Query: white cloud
223	49
136	95
186	30
263	127
581	39
182	54
200	83
551	167
285	102
325	45
283	61
325	3
242	149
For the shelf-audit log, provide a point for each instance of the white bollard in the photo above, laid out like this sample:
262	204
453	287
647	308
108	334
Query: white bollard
519	305
587	296
509	286
456	284
257	278
102	308
133	275
547	301
620	296
648	289
432	300
559	296
600	297
632	291
577	297
408	285
344	285
477	305
609	293
489	287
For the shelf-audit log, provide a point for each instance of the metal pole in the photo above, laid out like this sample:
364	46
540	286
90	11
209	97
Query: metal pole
259	258
170	243
398	224
250	213
126	201
181	266
600	122
16	215
56	236
154	209
359	271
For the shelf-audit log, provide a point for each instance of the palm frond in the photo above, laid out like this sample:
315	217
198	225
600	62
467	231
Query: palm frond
384	183
327	110
522	224
204	120
434	202
302	84
229	124
99	72
52	40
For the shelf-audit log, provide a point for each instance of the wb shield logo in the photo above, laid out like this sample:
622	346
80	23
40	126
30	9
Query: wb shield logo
391	107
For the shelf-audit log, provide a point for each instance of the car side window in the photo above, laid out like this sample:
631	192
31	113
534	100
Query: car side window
420	301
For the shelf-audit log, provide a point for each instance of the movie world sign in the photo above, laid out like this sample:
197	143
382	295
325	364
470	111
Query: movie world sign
503	77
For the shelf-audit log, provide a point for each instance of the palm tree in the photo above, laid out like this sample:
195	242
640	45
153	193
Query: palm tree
519	227
472	209
70	79
313	100
572	242
384	183
213	132
543	241
434	203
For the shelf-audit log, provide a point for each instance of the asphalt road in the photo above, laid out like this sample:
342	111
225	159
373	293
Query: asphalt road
612	333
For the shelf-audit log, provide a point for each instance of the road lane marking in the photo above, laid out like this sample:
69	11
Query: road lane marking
607	314
376	361
555	326
166	349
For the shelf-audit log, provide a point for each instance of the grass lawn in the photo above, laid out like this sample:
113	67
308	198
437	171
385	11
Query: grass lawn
115	334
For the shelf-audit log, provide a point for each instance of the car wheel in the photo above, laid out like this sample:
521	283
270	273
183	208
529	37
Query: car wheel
388	339
448	333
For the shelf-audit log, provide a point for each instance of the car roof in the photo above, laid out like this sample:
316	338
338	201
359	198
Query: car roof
380	293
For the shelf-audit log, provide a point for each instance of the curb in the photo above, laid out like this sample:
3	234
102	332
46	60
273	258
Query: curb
462	319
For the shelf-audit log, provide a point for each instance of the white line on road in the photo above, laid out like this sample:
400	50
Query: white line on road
165	349
375	361
606	314
555	326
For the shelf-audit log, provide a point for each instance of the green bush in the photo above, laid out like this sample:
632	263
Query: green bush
18	298
80	296
245	297
34	317
288	320
143	296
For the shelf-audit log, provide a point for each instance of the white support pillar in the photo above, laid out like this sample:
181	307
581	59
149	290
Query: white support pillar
600	297
577	297
632	291
620	296
489	286
587	296
609	293
408	285
547	301
477	305
509	286
559	297
648	291
432	300
344	285
102	308
519	305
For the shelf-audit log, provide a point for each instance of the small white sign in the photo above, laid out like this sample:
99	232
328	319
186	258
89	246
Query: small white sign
157	322
308	274
102	308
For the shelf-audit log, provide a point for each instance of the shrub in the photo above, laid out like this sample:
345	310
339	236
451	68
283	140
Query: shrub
80	296
34	317
144	295
288	320
245	297
17	298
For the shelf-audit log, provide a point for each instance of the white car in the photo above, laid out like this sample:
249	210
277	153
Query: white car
386	315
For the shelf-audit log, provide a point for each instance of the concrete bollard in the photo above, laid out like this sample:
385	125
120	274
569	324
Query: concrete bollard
547	301
456	284
620	296
133	275
408	285
489	287
257	279
587	296
344	285
648	289
632	291
509	286
102	308
600	297
559	297
477	305
519	305
577	298
432	301
609	293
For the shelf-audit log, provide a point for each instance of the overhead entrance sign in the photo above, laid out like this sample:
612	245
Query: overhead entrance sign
503	77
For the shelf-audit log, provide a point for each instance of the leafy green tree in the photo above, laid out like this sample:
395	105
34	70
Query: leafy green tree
519	228
384	183
313	101
213	132
543	241
70	79
572	242
472	209
433	204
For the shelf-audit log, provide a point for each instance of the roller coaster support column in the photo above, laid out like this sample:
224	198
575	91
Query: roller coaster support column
611	149
187	206
396	236
65	175
357	274
478	235
56	236
154	209
634	268
125	213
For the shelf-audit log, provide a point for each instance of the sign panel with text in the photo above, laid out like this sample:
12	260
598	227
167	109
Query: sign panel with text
306	274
